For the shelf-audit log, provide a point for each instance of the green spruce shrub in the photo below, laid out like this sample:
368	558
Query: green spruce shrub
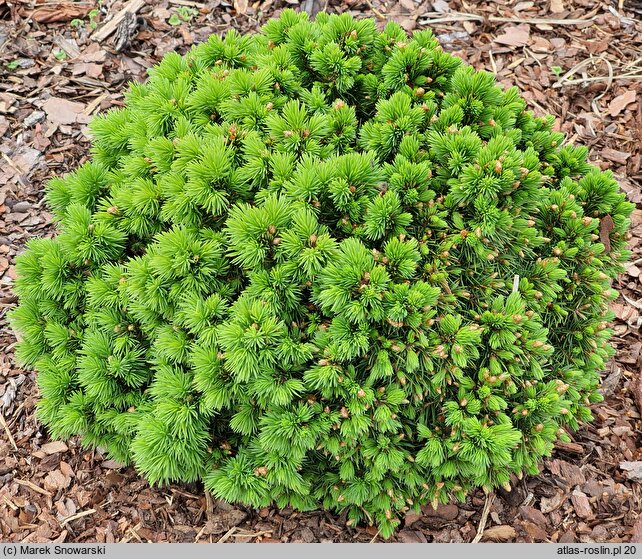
327	267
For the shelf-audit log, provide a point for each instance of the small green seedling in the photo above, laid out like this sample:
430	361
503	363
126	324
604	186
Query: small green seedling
183	14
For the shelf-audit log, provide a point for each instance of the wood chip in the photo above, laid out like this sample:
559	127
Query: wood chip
106	30
637	531
33	486
91	106
549	504
111	464
63	111
77	516
54	447
56	480
606	226
533	515
441	6
514	36
8	431
93	53
615	155
501	533
627	313
411	517
611	382
6	103
619	103
535	532
571	473
448	511
633	470
227	535
240	6
581	504
9	502
410	536
557	6
66	469
637	390
70	48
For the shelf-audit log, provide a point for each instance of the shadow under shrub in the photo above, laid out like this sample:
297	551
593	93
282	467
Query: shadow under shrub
325	267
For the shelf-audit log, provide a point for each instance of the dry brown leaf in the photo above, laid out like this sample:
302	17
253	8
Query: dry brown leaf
53	447
62	11
619	103
501	533
515	35
62	111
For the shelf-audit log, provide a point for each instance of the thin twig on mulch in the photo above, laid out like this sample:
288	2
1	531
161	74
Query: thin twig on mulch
490	497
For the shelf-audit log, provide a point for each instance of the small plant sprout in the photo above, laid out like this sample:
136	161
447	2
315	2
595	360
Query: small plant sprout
182	14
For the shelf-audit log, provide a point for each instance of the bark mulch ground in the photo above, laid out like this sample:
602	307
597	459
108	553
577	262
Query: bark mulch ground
63	61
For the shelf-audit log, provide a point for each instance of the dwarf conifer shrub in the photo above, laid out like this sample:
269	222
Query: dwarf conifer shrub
325	267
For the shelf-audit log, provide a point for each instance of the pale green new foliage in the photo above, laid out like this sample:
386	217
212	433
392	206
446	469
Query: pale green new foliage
327	267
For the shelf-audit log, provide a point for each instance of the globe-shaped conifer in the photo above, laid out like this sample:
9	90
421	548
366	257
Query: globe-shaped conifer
326	267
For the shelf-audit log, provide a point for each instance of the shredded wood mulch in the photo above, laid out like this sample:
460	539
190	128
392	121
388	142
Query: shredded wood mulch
62	61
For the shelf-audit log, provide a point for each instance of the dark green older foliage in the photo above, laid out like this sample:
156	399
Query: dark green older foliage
324	266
